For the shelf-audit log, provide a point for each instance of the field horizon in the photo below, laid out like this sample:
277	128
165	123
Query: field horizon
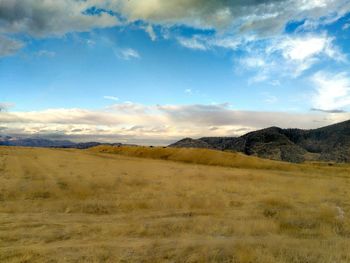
127	204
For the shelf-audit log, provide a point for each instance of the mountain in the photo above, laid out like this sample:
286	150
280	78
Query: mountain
39	142
330	143
192	143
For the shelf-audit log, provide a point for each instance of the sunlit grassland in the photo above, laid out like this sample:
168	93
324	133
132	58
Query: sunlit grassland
109	205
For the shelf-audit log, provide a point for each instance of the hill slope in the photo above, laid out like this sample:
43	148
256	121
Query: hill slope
68	205
330	143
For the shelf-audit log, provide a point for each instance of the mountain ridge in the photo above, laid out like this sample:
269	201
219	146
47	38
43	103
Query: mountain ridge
329	143
46	143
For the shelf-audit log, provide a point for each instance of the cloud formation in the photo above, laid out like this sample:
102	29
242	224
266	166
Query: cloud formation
45	53
287	56
159	124
258	26
4	106
332	91
45	19
262	17
56	18
9	46
114	98
127	53
50	17
303	52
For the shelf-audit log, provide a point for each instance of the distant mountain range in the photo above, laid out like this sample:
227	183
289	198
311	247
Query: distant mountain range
39	142
330	143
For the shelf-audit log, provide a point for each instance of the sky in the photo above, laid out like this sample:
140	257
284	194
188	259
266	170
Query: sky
153	71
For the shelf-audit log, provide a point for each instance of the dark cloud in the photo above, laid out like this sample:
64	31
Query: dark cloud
328	111
45	18
261	17
9	46
50	17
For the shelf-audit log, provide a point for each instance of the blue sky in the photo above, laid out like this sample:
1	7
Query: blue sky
153	72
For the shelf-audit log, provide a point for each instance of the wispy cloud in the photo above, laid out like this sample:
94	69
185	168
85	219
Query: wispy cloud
188	91
269	99
127	53
194	42
204	43
111	98
5	106
9	46
150	31
45	53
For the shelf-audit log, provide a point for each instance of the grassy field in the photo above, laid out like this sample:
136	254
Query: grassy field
109	205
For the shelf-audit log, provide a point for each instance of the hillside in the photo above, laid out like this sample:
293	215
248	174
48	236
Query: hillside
68	205
195	156
331	143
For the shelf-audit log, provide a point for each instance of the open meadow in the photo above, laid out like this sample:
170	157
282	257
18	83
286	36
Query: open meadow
109	205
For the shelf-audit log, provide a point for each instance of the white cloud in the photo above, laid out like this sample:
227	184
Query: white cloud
306	47
111	98
137	123
150	31
288	56
332	91
4	106
201	42
269	99
195	42
127	53
45	53
302	48
90	42
253	62
275	83
301	53
312	4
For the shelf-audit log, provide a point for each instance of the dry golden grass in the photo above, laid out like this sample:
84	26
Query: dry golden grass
217	158
86	206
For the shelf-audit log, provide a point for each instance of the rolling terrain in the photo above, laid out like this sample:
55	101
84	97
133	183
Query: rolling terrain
326	144
142	204
331	143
